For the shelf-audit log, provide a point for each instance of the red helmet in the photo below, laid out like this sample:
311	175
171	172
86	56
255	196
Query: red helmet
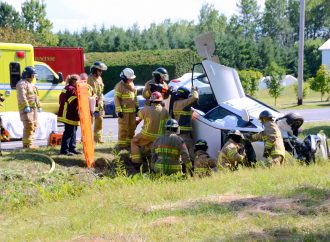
156	97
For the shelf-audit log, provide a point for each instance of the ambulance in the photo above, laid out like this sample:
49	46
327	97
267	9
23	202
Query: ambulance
13	59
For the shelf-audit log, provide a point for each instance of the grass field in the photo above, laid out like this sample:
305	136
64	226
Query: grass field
75	204
288	99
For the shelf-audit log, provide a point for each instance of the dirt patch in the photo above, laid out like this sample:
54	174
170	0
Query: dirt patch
168	221
324	207
244	205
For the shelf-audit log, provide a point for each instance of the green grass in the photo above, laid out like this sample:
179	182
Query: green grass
288	99
72	203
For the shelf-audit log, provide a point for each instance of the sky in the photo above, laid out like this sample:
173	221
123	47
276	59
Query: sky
73	15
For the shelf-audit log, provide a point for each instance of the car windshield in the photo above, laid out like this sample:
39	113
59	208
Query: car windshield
110	94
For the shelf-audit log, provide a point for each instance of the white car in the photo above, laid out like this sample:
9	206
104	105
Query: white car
229	108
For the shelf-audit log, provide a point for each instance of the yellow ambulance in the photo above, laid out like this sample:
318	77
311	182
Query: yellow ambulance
13	59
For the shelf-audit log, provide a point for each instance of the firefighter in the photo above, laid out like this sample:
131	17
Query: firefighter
154	117
274	150
182	113
204	165
126	106
233	153
157	84
28	105
96	82
69	115
169	151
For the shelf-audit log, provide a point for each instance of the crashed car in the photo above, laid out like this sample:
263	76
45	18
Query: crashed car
229	108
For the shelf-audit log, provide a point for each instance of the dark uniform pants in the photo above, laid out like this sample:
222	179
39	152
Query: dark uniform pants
69	138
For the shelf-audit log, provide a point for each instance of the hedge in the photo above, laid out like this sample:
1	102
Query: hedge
177	62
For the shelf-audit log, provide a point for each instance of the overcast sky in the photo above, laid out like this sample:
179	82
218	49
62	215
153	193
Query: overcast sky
73	15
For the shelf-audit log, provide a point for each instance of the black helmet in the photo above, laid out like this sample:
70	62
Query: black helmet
98	65
201	145
183	92
28	72
172	125
160	72
266	114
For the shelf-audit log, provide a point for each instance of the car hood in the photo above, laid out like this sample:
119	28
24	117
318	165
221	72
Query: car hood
229	93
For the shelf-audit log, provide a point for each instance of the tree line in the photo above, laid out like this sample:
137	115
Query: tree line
252	39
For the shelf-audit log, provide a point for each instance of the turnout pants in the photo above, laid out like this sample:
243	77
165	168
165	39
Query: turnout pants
186	136
28	132
98	129
126	129
140	143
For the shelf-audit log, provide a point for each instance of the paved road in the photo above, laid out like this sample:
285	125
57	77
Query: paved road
312	115
110	131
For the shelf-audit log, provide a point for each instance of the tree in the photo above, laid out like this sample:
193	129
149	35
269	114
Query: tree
17	36
250	81
9	17
249	18
35	21
321	83
273	83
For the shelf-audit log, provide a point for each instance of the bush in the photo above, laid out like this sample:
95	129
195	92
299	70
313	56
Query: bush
305	89
177	62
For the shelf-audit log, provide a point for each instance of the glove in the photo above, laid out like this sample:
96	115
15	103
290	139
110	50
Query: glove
96	114
195	94
136	110
39	110
27	109
266	154
120	114
248	136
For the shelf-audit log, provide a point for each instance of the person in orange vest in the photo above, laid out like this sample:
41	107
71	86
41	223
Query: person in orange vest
96	82
157	84
69	115
28	105
126	106
154	117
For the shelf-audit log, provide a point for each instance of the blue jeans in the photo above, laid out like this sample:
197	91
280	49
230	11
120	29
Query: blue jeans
69	138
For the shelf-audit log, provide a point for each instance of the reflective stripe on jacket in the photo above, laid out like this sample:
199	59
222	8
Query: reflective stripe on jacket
125	97
98	87
272	137
154	117
27	95
182	113
203	163
68	112
166	152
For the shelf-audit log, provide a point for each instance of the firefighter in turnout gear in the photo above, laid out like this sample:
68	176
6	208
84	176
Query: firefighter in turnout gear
28	105
69	115
126	106
274	150
233	153
157	84
182	113
96	82
169	151
204	165
154	117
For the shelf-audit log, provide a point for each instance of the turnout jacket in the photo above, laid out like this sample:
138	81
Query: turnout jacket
154	117
166	152
203	163
68	112
27	96
125	97
229	156
182	112
98	87
272	137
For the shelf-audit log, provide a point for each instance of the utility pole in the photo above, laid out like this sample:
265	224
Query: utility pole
301	52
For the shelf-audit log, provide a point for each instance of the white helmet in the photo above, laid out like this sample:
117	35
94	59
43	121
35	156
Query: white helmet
127	73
